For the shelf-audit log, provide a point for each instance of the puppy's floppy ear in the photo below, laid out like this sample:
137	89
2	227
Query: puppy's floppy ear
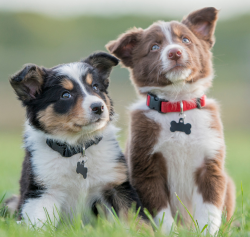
103	62
202	23
27	82
124	45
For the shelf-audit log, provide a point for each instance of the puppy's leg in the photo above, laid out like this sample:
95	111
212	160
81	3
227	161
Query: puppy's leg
121	197
229	204
38	211
208	198
148	169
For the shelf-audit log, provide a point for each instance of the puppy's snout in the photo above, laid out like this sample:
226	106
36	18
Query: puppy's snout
174	54
97	108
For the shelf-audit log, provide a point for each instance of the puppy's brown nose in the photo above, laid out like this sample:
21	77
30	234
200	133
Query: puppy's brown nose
97	108
174	54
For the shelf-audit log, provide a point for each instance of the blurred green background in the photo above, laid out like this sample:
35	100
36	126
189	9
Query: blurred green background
32	38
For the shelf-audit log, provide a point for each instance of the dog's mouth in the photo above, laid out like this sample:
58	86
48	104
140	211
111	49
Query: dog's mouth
178	72
92	126
177	66
93	122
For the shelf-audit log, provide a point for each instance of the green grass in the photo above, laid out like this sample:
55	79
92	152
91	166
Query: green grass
237	164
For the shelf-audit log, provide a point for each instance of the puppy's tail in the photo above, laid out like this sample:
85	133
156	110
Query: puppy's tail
12	204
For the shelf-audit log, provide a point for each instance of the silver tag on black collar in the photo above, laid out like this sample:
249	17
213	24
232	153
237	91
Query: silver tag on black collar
81	169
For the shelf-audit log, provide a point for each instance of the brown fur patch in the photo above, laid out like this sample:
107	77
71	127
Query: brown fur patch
123	46
122	173
89	79
71	122
211	181
229	204
216	123
67	84
148	171
202	22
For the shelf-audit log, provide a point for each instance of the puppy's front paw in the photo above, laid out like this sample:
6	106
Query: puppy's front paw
167	221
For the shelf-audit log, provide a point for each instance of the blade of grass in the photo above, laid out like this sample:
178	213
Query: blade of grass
242	209
115	215
205	226
150	218
195	224
136	214
161	221
2	198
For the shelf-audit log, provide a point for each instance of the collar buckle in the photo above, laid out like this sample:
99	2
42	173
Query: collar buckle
155	102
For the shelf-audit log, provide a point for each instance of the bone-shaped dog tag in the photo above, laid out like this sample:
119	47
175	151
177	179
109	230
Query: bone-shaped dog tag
180	127
80	169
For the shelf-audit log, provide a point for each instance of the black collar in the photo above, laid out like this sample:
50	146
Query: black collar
67	150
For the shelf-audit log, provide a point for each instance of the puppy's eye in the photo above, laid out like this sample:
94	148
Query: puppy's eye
95	87
155	47
185	40
66	95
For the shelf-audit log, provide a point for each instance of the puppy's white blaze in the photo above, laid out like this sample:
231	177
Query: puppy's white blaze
167	220
166	29
206	213
74	71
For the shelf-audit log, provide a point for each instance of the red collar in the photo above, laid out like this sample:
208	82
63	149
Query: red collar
164	106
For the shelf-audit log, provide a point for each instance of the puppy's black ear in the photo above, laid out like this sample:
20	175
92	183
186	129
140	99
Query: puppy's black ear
103	62
202	23
27	82
124	45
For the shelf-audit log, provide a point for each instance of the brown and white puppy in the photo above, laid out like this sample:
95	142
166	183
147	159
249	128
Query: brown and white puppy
68	108
172	62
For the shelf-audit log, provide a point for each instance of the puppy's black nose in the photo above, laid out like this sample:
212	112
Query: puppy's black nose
97	108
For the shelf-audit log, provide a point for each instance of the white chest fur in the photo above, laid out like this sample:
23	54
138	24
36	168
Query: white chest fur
184	153
58	174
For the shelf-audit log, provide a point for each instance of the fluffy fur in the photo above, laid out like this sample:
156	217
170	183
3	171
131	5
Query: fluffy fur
70	103
173	61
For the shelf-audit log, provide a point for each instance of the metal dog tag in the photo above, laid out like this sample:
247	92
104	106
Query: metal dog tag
81	169
180	127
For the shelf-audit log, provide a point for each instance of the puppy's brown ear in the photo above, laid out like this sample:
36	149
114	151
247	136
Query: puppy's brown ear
123	47
202	23
27	82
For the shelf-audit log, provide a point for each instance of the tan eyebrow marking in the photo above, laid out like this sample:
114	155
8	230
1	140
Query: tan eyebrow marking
67	84
89	79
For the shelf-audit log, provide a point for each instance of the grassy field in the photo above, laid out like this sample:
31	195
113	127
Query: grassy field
237	164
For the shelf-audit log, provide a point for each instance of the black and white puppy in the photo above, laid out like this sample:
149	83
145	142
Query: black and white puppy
68	111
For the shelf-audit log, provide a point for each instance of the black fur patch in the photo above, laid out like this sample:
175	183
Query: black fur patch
122	196
29	188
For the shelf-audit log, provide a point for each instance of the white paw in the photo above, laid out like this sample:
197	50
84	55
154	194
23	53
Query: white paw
167	221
